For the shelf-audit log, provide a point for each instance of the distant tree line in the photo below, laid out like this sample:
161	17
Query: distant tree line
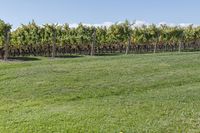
55	40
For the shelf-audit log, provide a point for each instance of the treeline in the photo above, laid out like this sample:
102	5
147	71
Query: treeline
54	40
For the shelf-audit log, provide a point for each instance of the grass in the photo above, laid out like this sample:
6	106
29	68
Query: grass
134	93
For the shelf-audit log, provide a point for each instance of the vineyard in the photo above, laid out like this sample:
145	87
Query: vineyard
56	40
77	93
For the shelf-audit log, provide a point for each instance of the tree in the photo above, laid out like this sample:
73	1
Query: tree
154	33
5	37
128	33
189	34
197	36
50	37
101	38
178	35
141	36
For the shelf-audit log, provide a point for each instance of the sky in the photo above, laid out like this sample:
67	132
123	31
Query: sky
99	12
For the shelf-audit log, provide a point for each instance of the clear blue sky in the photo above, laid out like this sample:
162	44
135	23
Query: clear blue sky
99	11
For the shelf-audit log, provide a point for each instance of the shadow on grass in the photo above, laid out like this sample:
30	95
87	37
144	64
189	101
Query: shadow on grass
110	54
69	56
23	59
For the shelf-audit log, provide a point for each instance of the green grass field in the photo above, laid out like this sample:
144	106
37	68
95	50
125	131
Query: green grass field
108	94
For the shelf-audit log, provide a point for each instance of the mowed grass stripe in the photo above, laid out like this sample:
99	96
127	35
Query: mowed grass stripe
135	93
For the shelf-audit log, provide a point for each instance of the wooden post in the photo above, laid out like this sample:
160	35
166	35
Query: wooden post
6	45
93	43
128	46
54	45
154	49
179	47
129	39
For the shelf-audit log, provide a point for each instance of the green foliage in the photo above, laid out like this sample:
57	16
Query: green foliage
4	29
82	36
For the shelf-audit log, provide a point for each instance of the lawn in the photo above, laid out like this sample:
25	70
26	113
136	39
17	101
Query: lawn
108	94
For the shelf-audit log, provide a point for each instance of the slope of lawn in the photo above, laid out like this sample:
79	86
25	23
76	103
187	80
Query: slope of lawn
134	93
